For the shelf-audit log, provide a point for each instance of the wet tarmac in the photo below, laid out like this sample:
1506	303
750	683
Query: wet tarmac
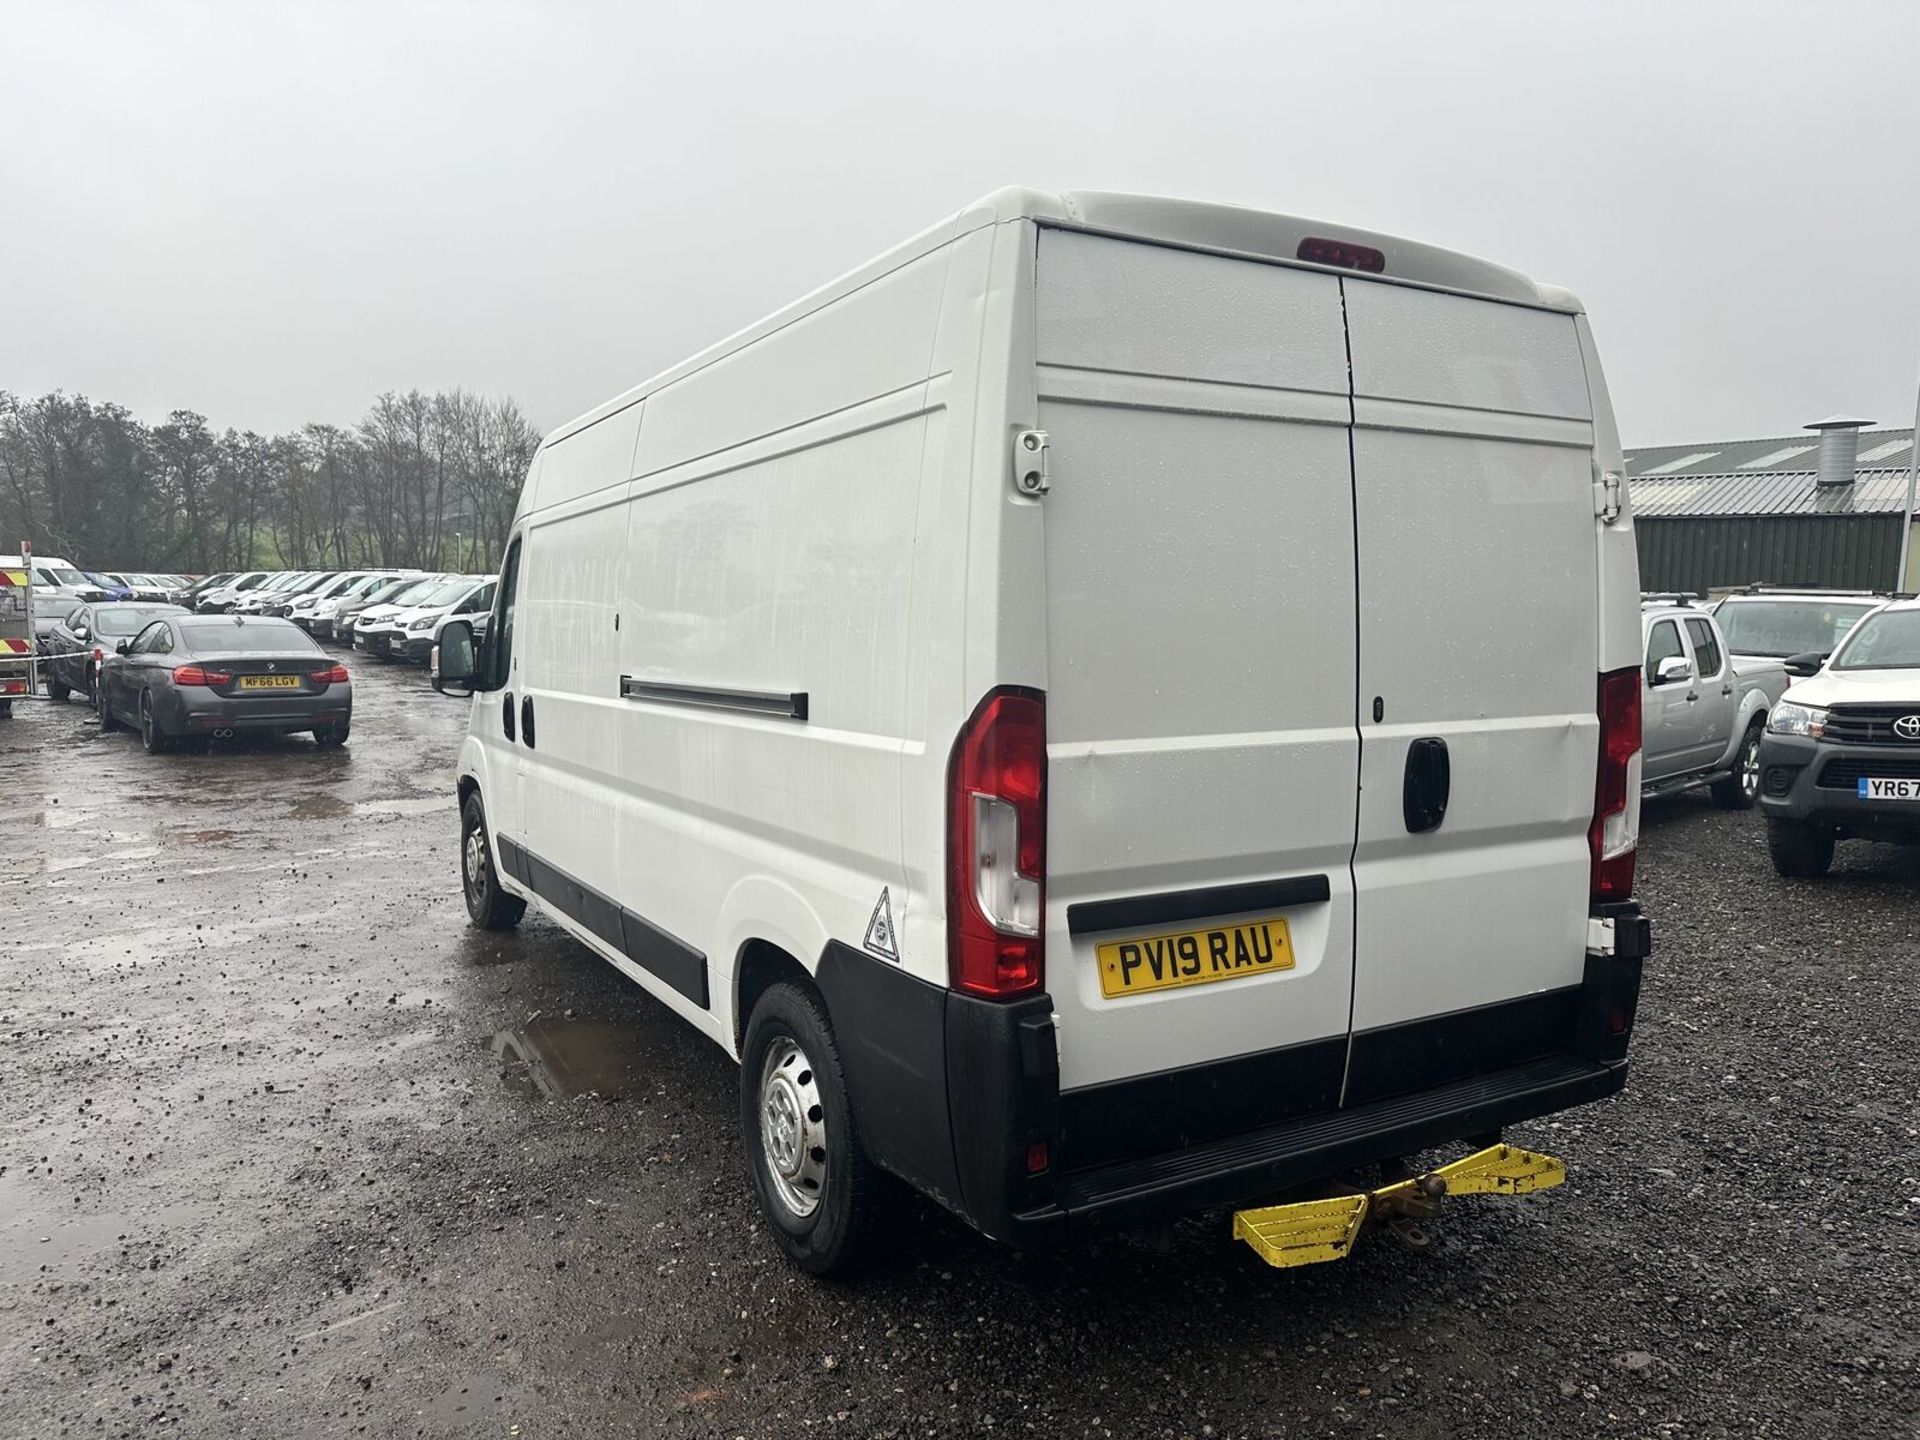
287	1149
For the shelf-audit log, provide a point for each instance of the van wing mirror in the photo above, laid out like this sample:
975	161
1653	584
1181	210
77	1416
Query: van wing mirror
1805	665
455	665
1672	670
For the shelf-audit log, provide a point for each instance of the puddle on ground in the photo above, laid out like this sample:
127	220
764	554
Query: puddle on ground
41	1234
559	1059
481	1404
203	837
321	807
331	807
423	805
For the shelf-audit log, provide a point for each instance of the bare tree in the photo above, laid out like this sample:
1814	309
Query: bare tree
429	480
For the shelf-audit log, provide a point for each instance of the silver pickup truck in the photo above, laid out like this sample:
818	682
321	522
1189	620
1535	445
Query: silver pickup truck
1702	713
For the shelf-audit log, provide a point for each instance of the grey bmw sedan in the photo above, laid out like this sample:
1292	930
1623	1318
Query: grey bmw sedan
203	677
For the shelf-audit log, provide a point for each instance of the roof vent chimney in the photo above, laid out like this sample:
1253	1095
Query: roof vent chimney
1839	447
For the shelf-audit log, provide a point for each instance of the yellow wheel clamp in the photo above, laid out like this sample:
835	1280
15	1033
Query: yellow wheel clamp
1310	1231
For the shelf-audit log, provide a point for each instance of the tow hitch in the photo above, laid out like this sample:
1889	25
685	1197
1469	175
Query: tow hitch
1310	1231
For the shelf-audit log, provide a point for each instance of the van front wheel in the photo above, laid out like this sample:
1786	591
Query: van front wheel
490	906
822	1198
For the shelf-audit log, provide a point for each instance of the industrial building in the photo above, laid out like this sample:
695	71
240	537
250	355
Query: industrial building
1824	508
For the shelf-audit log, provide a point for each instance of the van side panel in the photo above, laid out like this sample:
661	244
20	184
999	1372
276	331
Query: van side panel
766	546
871	342
966	418
1473	482
788	576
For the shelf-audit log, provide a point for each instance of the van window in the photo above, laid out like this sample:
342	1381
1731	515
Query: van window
1662	644
500	630
1706	649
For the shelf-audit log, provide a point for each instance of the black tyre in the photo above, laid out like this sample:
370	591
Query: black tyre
1741	788
57	689
1800	848
331	737
490	906
153	735
825	1202
103	709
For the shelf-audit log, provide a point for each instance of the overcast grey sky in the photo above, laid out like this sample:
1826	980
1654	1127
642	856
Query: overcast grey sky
269	212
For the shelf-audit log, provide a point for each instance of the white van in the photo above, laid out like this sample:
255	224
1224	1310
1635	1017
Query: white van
1117	707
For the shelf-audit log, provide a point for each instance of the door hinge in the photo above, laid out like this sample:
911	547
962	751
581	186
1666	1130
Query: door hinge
1607	488
1030	475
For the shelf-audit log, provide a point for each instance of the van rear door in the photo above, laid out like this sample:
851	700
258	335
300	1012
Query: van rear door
1473	484
1201	631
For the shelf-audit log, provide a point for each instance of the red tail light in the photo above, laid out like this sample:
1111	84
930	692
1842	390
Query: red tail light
196	675
997	847
336	676
1615	833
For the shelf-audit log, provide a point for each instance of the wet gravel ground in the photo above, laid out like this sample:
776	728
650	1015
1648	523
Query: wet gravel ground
286	1149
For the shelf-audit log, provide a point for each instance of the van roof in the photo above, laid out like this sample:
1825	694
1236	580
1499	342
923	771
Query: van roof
1191	224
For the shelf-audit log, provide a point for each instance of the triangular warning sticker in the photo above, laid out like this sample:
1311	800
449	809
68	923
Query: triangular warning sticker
880	938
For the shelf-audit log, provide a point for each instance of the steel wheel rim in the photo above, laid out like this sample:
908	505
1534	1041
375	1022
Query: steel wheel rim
793	1127
475	854
1750	769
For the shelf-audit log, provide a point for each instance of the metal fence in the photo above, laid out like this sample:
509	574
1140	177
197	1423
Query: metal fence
1697	553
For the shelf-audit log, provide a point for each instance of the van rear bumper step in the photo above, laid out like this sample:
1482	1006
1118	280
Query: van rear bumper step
1241	1168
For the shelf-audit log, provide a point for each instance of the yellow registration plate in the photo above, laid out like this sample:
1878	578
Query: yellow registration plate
269	682
1194	957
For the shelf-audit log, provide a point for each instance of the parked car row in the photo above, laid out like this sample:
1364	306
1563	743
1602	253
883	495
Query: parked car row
1804	702
389	614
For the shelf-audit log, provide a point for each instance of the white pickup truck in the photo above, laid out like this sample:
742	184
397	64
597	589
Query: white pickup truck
1703	712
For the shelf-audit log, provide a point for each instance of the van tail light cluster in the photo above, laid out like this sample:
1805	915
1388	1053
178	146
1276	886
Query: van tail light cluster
199	675
1615	832
336	676
997	847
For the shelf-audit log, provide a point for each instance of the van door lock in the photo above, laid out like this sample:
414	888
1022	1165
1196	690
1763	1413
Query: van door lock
1030	475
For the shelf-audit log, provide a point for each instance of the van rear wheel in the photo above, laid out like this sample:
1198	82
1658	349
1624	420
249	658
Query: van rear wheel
824	1201
490	906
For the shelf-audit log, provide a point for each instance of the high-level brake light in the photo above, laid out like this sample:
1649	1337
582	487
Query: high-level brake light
1342	253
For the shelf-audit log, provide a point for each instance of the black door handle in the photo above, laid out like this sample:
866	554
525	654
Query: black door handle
506	716
526	720
1429	781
